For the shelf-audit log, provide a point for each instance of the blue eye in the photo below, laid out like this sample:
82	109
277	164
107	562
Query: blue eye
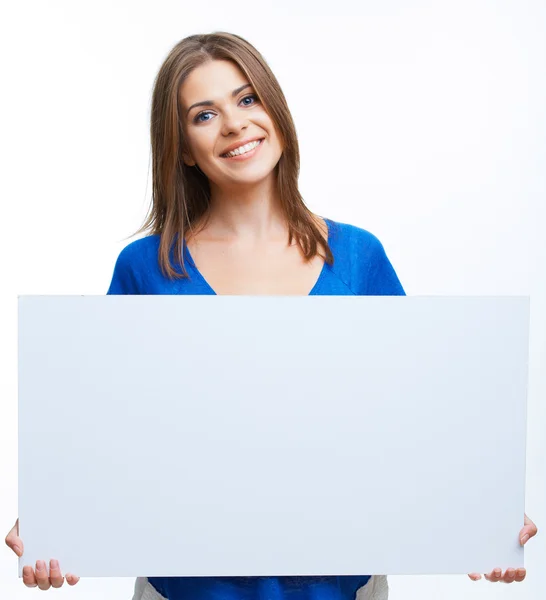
198	117
253	96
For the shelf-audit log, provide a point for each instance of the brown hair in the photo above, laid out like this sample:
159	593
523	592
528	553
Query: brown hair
181	194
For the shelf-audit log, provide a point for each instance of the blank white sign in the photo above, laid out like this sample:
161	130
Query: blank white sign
255	436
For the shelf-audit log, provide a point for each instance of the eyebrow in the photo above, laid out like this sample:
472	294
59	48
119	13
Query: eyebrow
211	103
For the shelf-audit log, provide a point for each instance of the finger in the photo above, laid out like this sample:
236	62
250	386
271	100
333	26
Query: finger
509	576
475	576
72	579
520	574
13	540
28	577
494	576
41	575
55	575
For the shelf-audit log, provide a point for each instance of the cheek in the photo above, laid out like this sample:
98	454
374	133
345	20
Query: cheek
272	133
275	136
201	142
190	144
278	143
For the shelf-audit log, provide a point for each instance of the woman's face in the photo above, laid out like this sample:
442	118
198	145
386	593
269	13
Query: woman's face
221	112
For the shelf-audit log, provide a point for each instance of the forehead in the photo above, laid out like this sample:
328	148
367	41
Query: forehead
211	81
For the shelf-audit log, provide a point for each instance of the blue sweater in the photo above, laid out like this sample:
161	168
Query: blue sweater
360	268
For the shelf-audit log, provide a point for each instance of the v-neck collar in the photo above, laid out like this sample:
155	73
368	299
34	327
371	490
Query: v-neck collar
202	279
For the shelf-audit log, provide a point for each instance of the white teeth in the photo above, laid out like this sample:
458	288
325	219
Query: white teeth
244	149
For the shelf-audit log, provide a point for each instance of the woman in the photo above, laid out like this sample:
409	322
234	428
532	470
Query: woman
227	218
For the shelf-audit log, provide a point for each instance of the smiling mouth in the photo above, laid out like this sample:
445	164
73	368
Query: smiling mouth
243	149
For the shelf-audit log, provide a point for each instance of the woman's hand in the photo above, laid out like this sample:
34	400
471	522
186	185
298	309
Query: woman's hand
40	577
510	575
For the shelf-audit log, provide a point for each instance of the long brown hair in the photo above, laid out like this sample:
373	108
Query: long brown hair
181	194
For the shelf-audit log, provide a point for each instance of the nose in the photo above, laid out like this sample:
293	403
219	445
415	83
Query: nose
234	121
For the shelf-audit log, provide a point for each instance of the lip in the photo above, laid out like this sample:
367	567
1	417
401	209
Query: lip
239	144
244	157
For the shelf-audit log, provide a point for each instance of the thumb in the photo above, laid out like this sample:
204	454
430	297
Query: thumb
529	530
13	540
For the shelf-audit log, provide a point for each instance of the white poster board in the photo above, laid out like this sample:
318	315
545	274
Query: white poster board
224	435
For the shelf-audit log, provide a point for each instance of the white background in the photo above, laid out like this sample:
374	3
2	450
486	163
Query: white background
422	122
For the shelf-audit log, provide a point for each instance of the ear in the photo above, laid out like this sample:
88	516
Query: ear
188	160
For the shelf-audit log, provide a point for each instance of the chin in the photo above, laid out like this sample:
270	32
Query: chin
253	175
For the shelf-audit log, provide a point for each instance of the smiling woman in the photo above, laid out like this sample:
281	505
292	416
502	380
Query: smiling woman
227	217
241	145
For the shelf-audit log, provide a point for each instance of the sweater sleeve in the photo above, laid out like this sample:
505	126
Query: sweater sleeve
124	280
382	280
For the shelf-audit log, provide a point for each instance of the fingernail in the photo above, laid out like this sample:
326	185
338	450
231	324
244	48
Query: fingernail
54	564
524	538
40	565
17	550
498	572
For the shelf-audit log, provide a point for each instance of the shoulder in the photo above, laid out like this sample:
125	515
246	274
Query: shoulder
360	260
356	250
140	254
350	238
139	250
136	261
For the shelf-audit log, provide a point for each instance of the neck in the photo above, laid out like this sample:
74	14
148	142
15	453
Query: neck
252	213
